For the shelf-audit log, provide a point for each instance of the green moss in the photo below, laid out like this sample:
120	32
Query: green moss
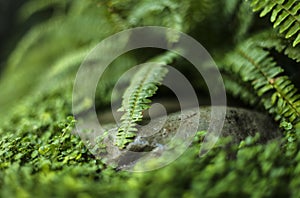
48	161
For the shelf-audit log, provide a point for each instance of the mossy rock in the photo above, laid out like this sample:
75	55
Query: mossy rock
157	136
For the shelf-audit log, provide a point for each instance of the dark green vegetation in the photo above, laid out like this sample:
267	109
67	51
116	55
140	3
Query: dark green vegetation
39	157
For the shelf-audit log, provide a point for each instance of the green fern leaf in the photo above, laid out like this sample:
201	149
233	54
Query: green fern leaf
270	40
30	39
284	15
286	96
239	89
276	92
135	99
35	6
293	53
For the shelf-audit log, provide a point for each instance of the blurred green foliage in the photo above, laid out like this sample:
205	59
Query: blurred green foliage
41	157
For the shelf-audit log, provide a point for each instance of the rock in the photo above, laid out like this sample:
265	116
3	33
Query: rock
239	123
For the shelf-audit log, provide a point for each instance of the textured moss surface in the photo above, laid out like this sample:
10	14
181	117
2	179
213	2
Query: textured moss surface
40	157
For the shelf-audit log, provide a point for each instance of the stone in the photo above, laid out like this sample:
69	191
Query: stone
156	136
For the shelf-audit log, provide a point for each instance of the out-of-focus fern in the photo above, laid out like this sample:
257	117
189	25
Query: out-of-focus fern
239	89
285	16
245	20
52	40
30	39
32	7
169	11
174	14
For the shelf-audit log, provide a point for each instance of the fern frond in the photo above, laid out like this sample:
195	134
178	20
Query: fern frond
65	64
200	9
239	89
230	6
277	93
144	86
286	96
293	53
136	97
271	40
32	7
245	19
167	13
29	40
285	16
60	30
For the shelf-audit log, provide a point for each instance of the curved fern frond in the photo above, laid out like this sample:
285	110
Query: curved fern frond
271	40
277	93
286	96
65	64
239	89
169	13
32	7
136	97
245	18
30	39
293	53
285	16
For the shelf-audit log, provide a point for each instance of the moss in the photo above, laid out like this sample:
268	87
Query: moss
44	159
49	161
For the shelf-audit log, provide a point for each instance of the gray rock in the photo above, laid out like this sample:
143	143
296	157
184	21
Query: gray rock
156	136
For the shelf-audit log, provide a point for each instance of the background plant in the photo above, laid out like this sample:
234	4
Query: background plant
256	47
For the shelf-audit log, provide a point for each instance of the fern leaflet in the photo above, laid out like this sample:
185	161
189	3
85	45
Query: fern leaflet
277	93
285	15
135	99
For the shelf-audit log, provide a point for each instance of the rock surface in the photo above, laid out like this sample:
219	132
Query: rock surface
239	123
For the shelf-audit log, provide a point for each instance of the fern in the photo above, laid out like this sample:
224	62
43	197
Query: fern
64	64
166	10
275	90
285	15
50	40
32	7
29	40
135	99
286	99
245	20
36	137
239	89
293	53
271	40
